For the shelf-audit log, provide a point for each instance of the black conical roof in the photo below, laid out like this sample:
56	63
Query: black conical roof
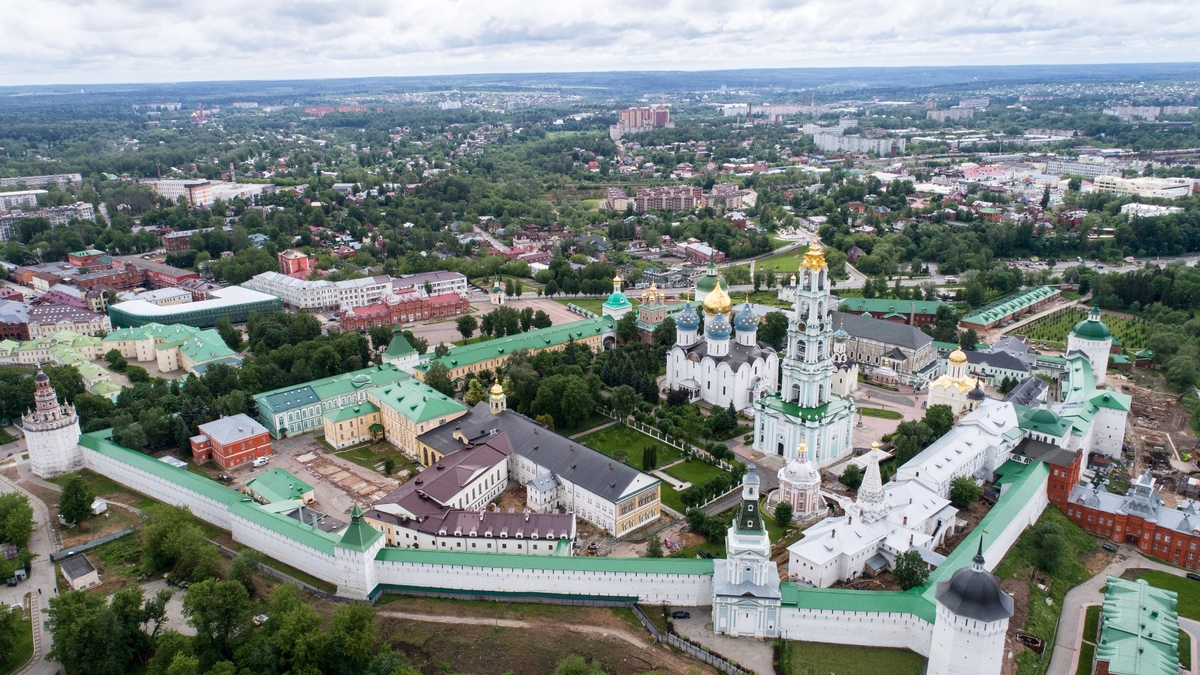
974	593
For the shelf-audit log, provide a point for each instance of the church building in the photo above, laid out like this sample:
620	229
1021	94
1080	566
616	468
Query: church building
807	409
746	593
956	389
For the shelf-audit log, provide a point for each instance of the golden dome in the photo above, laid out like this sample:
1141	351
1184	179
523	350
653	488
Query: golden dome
957	357
497	390
793	278
617	279
814	258
874	445
717	300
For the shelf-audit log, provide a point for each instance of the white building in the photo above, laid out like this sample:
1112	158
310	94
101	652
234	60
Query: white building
51	432
437	282
800	485
746	594
1168	188
806	410
162	297
955	389
1092	338
322	295
836	142
715	369
20	199
972	620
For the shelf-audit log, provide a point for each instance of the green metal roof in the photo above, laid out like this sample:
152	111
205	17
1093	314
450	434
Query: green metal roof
1139	631
415	400
540	338
398	347
1025	487
1092	328
101	441
697	566
846	600
833	407
1009	305
1042	420
277	485
301	533
886	305
352	411
359	535
286	398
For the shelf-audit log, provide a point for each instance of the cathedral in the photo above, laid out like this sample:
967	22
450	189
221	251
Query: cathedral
721	368
956	389
808	408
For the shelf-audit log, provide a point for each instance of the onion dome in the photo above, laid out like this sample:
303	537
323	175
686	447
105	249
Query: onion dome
974	593
717	302
976	394
497	390
800	471
746	321
711	280
840	335
1092	328
814	258
687	319
718	328
957	357
41	377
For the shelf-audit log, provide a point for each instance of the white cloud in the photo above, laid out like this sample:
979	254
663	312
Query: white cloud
96	41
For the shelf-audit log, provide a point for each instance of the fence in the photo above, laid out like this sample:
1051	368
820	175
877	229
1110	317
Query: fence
691	648
683	446
59	555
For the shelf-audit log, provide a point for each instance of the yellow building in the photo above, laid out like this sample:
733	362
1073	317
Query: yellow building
408	409
352	425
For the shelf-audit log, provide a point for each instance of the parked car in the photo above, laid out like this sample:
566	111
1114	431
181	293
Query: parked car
260	462
681	615
1110	547
225	478
1193	576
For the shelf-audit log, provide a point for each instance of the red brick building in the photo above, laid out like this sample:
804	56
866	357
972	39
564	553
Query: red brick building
158	275
405	307
294	263
118	278
1139	518
231	441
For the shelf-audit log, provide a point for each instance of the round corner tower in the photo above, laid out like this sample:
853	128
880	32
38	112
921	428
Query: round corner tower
51	432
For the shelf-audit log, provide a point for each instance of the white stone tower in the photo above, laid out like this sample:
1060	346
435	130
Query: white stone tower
355	558
1092	338
800	484
746	596
972	618
51	432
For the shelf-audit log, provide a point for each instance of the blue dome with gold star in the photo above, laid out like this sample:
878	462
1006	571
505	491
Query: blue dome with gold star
688	319
718	328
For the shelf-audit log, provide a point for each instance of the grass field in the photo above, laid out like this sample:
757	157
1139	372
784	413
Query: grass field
102	486
625	444
366	456
1053	329
788	261
6	438
22	651
1185	650
592	421
1018	564
881	413
819	657
1087	651
694	471
1091	622
590	304
1188	590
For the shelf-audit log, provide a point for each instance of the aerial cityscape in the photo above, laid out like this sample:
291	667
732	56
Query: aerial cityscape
513	359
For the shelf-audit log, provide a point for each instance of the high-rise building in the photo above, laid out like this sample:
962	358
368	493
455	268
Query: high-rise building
636	120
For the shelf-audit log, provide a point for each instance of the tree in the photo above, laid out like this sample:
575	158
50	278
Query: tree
137	374
1181	371
1045	197
10	624
389	465
546	421
975	294
475	392
381	336
467	325
654	548
939	418
231	336
75	502
421	345
16	519
243	567
649	457
441	350
1007	384
968	339
352	638
664	332
577	402
541	319
221	613
627	328
783	513
964	491
551	289
87	636
623	400
115	360
852	477
1049	542
773	330
438	377
910	570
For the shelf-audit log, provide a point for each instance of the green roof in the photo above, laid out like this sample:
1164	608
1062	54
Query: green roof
90	251
351	412
301	533
1092	328
834	406
697	566
359	535
616	301
1042	420
889	306
286	398
847	600
101	441
1012	304
277	485
398	347
1139	629
540	338
415	400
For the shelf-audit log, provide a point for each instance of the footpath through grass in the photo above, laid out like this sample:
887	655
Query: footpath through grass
1066	573
819	657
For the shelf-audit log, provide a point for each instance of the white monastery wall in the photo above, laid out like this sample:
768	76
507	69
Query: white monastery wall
869	629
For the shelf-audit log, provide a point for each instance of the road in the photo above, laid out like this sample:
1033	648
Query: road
1070	626
41	584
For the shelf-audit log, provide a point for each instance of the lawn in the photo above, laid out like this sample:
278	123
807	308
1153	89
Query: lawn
819	657
625	444
881	413
590	304
22	651
669	496
590	422
1185	650
1018	564
1087	651
6	438
693	471
372	456
1091	622
1188	591
1053	329
788	261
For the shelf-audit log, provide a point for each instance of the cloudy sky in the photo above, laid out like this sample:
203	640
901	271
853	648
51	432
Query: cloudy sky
103	41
